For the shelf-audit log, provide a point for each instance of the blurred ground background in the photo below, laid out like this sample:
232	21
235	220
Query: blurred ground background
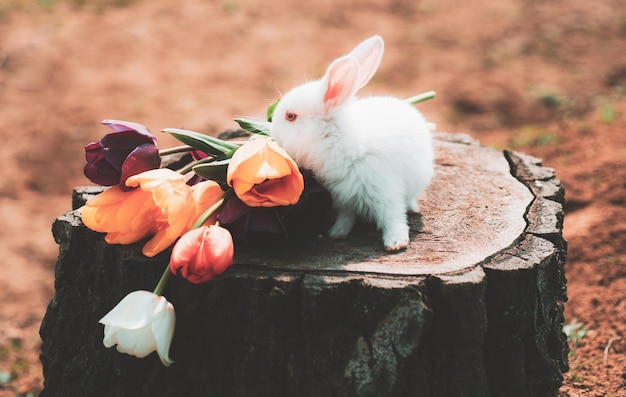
544	77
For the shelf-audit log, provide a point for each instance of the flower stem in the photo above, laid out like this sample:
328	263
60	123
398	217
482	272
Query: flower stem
201	220
189	167
421	97
211	210
162	281
175	149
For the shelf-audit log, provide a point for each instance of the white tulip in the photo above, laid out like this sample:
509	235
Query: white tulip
140	324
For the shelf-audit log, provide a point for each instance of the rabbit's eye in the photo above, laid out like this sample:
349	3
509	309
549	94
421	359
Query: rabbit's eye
291	116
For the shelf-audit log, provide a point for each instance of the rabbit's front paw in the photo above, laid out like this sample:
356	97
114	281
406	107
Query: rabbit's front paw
343	226
396	238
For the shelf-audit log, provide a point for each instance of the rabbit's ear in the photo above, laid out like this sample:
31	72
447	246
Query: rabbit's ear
341	81
368	54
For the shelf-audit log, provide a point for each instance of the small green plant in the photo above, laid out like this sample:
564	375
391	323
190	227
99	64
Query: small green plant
229	6
533	136
573	372
574	331
607	113
551	99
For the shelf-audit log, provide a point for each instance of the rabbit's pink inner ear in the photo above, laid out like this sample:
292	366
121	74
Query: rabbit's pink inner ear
341	82
368	54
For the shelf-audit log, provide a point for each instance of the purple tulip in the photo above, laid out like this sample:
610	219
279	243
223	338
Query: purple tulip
271	227
129	150
195	156
254	227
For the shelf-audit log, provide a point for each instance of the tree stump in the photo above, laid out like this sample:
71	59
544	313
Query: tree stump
474	306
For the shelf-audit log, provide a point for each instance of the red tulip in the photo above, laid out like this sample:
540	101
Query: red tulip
202	253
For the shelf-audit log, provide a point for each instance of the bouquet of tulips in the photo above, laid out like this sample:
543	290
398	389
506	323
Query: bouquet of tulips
251	190
248	192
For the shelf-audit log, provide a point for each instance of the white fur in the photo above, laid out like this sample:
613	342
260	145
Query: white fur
373	154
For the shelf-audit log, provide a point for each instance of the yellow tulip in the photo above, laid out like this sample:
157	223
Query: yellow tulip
205	194
163	206
263	175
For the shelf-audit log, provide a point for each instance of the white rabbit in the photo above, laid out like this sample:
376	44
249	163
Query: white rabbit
373	154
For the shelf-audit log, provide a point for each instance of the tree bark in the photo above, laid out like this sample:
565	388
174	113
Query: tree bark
474	306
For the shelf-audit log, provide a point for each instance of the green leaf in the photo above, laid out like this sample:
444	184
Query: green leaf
254	126
215	171
205	143
421	97
270	110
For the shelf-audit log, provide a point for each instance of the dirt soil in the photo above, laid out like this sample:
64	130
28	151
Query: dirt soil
545	78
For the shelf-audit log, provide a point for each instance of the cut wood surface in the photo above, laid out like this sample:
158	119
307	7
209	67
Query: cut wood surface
474	306
473	209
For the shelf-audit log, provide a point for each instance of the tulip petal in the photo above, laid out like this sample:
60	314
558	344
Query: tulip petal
245	152
263	174
147	216
202	253
188	246
121	125
110	196
126	341
106	219
139	342
132	312
163	331
258	169
119	145
275	191
116	153
205	194
221	247
97	169
145	157
93	152
110	339
164	237
141	323
131	208
155	176
125	141
88	216
129	237
271	190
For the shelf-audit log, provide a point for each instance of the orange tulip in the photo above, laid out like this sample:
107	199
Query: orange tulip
205	194
163	206
202	253
263	175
